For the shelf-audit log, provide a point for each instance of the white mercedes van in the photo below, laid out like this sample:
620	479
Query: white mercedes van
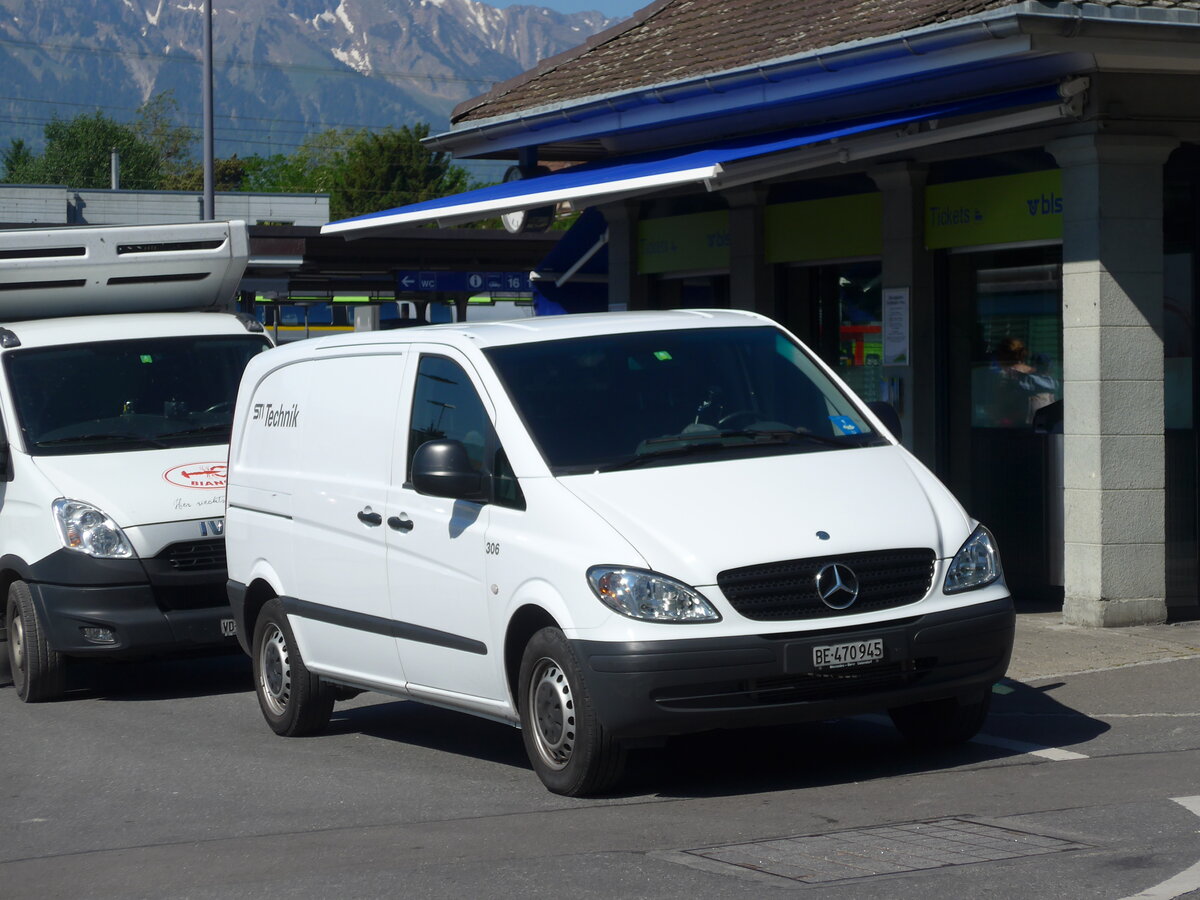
119	364
603	529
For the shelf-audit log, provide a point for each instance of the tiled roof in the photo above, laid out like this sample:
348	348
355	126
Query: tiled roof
673	40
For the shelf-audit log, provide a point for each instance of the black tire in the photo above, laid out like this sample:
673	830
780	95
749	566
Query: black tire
38	672
294	701
942	723
567	744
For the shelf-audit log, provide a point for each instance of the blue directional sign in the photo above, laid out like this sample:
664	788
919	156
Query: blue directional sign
463	282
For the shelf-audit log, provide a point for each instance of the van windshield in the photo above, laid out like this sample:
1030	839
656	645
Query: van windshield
116	396
620	401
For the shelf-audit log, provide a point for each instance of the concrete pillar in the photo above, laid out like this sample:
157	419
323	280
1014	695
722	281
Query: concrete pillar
751	280
907	264
626	289
1114	460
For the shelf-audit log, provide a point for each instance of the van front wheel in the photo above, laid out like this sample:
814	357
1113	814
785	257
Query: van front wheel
38	672
566	742
294	701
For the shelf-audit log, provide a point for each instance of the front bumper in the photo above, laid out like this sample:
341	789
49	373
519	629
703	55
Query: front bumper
657	688
147	610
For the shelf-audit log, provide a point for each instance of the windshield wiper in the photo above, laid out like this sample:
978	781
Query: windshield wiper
641	459
769	436
213	428
700	442
98	438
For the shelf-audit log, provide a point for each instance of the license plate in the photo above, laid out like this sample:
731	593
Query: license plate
228	628
833	656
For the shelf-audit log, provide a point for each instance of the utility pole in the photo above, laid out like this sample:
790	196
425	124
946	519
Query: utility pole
207	90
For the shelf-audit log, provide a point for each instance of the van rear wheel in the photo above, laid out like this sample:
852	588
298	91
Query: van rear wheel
294	701
39	673
567	744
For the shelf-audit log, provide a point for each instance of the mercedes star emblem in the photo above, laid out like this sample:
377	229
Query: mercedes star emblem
837	585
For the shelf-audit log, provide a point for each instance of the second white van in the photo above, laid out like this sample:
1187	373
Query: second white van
604	530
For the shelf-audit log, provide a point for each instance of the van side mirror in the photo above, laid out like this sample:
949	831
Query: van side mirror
886	413
443	469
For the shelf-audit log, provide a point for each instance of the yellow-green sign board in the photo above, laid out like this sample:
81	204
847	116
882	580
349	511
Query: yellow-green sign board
690	243
1002	210
832	228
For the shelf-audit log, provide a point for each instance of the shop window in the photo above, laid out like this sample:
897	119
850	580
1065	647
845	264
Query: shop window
1016	365
837	310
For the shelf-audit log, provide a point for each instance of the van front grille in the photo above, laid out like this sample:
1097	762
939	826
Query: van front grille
192	556
773	592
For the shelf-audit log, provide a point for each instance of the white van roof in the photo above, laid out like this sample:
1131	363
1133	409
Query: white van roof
537	328
53	272
100	329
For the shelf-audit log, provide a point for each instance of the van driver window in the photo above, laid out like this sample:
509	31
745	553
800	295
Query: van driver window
445	405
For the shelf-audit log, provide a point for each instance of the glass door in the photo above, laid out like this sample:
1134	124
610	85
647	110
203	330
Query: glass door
1005	405
837	309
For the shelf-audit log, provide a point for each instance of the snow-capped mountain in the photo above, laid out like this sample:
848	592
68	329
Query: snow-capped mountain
283	68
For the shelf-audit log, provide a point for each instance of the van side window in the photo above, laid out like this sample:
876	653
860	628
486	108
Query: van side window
508	489
6	473
445	405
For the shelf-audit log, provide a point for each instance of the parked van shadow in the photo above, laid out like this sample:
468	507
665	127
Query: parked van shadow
862	748
173	678
409	722
756	760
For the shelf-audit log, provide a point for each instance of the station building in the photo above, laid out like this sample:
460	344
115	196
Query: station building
986	212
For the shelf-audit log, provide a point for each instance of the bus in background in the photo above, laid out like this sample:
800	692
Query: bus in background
297	318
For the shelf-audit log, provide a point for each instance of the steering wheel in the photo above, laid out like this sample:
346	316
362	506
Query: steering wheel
222	407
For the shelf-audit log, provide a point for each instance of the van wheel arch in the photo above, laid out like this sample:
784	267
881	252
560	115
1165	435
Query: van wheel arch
525	623
7	577
257	596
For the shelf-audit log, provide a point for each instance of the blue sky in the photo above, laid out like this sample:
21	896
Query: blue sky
614	8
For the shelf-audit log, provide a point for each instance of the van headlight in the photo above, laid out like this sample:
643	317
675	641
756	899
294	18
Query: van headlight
649	596
975	565
89	530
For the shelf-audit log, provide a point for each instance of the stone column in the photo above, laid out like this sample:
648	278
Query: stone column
751	280
907	264
626	289
1114	463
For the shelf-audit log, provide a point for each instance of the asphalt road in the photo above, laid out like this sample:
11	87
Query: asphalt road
162	780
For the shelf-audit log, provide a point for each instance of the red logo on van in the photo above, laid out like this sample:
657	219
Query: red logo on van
205	476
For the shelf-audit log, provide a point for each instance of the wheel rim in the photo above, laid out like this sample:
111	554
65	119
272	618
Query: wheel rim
552	709
17	643
274	670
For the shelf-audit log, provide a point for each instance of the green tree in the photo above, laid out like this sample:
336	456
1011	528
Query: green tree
156	124
17	159
391	168
228	175
78	153
311	169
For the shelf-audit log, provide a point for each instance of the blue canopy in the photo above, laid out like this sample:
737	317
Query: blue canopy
611	178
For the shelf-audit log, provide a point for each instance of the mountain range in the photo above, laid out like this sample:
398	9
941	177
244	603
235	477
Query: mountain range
283	69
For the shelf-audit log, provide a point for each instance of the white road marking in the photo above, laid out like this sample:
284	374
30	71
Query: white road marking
1070	714
1186	881
1191	804
1041	750
1055	753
